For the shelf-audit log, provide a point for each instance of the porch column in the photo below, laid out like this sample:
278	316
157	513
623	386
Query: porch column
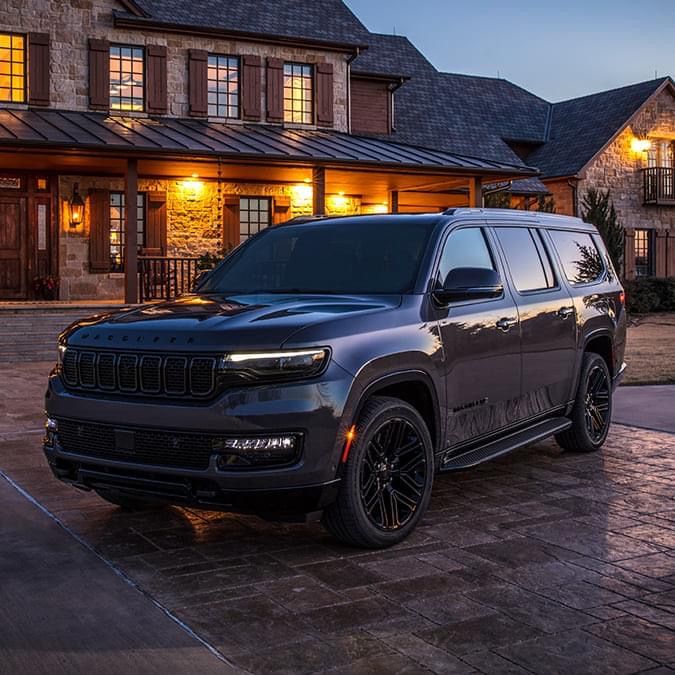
319	190
393	201
475	192
131	233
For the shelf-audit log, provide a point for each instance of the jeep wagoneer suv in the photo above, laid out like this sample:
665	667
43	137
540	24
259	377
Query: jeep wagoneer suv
335	365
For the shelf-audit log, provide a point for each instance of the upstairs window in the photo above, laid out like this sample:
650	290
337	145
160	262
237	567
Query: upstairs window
117	225
223	81
12	68
298	93
127	78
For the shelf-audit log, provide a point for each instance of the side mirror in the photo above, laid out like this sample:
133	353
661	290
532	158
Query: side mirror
200	279
469	283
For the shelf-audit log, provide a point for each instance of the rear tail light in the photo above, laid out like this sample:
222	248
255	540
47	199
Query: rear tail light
622	298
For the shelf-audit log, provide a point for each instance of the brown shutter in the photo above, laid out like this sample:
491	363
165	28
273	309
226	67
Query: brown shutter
324	94
38	68
629	254
156	98
198	83
250	88
155	224
661	253
99	74
99	230
231	236
275	90
280	209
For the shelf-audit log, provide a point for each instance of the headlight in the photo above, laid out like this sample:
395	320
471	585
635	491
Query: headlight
61	350
278	364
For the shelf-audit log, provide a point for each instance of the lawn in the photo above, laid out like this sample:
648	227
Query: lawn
650	351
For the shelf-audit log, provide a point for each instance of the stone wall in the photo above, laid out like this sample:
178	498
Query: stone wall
71	23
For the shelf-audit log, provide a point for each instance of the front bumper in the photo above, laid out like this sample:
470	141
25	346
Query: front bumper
313	409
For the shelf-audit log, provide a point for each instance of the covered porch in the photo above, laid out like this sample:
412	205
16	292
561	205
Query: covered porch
201	188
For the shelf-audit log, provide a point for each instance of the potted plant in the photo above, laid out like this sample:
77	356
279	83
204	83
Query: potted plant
46	287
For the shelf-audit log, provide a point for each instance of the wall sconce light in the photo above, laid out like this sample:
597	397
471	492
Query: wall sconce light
192	188
76	208
302	194
640	145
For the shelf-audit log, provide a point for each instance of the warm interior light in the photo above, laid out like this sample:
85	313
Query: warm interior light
380	208
192	189
640	145
76	208
302	194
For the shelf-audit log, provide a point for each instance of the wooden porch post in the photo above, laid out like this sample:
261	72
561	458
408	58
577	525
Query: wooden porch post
131	233
393	201
319	190
475	192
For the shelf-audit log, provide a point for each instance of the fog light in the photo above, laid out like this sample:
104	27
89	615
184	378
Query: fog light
257	450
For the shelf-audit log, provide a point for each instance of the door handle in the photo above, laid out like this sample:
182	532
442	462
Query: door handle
507	323
564	312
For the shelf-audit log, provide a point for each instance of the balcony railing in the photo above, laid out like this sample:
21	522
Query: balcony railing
165	278
659	185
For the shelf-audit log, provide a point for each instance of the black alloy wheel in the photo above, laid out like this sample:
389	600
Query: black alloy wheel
596	403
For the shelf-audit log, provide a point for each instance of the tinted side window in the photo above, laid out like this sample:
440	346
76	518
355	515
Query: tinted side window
524	260
465	248
579	255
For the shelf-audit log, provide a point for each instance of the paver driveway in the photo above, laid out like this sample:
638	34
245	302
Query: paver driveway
543	562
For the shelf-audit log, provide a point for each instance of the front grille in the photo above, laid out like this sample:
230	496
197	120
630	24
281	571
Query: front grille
167	376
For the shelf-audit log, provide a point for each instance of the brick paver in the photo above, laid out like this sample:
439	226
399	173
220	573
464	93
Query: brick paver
542	561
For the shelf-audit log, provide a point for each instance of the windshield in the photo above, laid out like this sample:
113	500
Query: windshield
364	256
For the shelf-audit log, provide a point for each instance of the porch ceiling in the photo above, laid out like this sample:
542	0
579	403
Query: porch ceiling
81	133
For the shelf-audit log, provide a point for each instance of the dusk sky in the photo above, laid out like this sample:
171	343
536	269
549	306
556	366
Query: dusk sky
557	50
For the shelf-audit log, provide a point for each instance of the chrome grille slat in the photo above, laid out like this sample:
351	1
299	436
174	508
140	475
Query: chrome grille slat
140	374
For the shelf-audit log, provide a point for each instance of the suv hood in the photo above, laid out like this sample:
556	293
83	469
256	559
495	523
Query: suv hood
210	322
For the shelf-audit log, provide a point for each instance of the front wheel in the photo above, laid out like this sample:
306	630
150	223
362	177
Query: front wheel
386	485
592	411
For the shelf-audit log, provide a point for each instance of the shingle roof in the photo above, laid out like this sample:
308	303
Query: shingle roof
391	55
581	127
199	138
322	20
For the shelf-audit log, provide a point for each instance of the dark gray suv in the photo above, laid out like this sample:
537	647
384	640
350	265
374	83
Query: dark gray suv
333	366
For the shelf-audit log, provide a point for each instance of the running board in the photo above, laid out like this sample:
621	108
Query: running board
532	434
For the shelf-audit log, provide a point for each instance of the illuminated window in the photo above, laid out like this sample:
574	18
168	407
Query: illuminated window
644	253
12	68
117	217
127	78
223	86
298	93
254	215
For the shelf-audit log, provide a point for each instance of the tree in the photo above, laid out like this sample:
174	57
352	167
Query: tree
545	204
598	209
499	199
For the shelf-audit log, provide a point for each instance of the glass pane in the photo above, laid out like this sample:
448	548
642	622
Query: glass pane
523	259
465	248
580	258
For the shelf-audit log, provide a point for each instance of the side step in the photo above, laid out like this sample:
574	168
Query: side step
532	434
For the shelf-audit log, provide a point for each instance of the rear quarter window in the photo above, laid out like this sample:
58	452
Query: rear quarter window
580	258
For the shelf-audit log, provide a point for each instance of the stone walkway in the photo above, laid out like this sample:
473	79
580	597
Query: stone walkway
543	561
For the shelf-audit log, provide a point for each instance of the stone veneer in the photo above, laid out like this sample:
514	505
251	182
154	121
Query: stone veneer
194	225
70	24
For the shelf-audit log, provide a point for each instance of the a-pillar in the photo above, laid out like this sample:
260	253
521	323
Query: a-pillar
319	190
131	233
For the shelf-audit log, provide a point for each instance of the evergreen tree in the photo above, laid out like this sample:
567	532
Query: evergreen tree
598	209
545	204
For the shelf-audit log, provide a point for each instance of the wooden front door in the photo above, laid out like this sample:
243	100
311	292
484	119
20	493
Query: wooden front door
13	249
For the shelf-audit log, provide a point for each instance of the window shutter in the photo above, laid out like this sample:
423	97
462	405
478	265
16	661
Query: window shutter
99	230
324	94
198	82
251	91
99	74
275	90
280	209
155	224
38	68
231	236
156	98
661	253
629	254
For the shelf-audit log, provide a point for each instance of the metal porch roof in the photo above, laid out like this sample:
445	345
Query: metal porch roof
51	129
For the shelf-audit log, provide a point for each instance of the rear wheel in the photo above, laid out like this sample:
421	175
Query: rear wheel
128	503
387	479
592	412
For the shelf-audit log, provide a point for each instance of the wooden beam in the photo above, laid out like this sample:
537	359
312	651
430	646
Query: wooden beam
319	190
475	192
131	233
393	201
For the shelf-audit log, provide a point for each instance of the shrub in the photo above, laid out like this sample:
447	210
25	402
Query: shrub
650	294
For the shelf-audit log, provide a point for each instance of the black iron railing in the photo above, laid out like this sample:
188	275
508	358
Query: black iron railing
659	185
165	278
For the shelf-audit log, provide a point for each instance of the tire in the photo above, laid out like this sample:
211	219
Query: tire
592	412
128	503
379	504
